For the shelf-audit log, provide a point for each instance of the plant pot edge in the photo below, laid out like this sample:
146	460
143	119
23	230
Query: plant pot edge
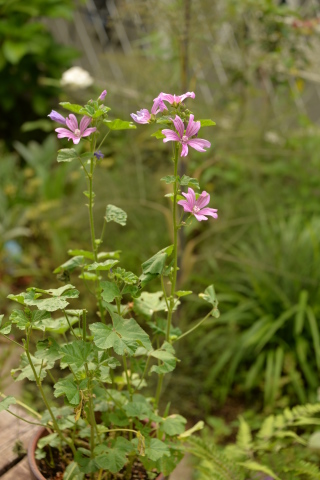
33	467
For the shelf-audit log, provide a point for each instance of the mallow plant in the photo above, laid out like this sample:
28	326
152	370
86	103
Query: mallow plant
99	363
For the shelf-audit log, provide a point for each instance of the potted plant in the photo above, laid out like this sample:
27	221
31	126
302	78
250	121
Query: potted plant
109	426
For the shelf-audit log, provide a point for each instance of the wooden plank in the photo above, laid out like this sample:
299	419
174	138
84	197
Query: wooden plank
12	430
18	472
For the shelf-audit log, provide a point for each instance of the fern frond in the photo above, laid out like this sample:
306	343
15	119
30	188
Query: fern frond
244	437
301	467
214	464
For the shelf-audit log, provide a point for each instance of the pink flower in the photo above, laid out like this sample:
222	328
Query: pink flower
75	133
195	207
172	99
186	138
103	95
144	116
176	99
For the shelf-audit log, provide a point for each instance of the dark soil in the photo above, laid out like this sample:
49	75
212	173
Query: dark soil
60	464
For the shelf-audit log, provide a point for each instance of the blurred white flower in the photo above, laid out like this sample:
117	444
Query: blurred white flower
76	77
273	137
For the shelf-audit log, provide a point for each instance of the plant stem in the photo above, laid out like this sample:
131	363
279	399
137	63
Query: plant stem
36	414
127	375
93	236
84	325
175	243
193	328
175	265
67	318
13	341
38	382
24	420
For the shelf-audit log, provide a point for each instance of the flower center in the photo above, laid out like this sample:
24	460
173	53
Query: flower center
195	209
77	132
185	138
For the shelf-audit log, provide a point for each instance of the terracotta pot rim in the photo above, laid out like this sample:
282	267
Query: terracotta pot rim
35	472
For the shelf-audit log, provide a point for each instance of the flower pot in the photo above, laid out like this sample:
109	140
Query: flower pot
33	466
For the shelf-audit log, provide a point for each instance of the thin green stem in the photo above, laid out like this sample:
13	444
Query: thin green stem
175	243
38	382
24	420
100	144
84	325
12	341
159	388
67	318
143	375
164	292
193	328
84	168
36	414
127	375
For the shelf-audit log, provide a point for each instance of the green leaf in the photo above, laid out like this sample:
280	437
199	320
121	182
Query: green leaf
14	51
6	328
81	253
92	277
115	214
125	336
183	293
40	365
154	266
71	264
191	182
209	296
67	155
158	134
148	303
72	472
72	107
127	277
23	297
156	449
113	459
59	325
198	426
167	359
169	179
48	349
6	402
76	353
35	319
102	265
257	467
89	111
138	407
68	388
207	122
174	425
109	291
119	124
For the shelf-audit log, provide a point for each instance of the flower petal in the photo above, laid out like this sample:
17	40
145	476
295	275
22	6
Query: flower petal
184	150
191	197
193	127
212	212
188	94
88	131
167	97
63	132
142	116
185	205
203	199
84	123
72	122
200	217
56	117
170	136
178	123
199	144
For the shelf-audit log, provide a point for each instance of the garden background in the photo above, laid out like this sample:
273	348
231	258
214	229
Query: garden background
254	67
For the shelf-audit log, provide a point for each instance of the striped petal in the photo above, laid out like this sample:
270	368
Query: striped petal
72	122
212	212
185	205
184	150
203	200
88	132
170	136
199	144
193	127
85	121
200	217
178	123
